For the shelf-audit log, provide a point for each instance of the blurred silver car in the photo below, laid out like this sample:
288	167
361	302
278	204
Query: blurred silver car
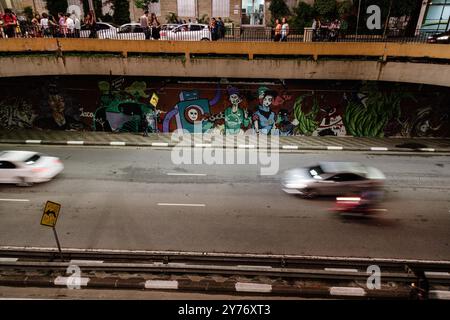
332	178
28	167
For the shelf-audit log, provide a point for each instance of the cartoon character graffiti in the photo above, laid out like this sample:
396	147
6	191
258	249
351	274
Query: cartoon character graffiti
264	118
190	111
236	119
285	126
16	113
332	123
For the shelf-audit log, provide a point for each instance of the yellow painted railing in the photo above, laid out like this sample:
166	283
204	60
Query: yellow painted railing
250	49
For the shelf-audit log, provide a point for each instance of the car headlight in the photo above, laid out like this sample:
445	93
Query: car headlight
443	38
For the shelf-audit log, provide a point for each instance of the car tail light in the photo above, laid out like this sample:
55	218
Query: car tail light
39	170
57	161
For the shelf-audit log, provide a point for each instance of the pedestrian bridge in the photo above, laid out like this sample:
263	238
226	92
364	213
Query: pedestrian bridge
379	61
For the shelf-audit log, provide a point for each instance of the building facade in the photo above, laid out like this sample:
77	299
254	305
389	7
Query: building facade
435	16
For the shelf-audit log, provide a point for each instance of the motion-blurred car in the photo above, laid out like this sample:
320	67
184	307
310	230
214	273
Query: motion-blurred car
187	32
332	178
28	167
443	37
104	31
131	31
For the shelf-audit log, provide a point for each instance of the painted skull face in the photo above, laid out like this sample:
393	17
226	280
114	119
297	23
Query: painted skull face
235	99
193	115
267	101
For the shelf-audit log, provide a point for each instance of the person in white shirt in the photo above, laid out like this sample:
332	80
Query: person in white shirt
284	30
45	26
77	23
70	24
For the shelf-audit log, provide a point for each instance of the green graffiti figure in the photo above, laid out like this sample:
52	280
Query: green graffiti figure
235	117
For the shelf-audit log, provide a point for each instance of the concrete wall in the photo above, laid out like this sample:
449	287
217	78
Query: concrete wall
233	68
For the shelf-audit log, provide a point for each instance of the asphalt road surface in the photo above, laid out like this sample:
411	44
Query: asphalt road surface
137	199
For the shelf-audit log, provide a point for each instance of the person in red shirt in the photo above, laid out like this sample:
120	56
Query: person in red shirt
9	23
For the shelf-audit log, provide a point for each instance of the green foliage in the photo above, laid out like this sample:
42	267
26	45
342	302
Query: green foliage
172	17
344	8
144	4
327	9
204	19
307	123
278	9
370	118
121	11
28	11
55	6
303	15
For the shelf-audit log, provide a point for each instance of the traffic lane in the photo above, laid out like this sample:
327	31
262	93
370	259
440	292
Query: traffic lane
149	165
236	218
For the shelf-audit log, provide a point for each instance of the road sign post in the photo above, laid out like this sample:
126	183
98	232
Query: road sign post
49	219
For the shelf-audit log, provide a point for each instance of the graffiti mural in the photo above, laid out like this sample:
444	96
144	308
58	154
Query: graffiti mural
360	109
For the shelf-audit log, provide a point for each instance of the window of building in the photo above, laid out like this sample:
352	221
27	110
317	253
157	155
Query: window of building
252	12
221	8
437	16
187	8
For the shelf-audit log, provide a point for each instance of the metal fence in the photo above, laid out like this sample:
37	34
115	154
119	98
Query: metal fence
257	34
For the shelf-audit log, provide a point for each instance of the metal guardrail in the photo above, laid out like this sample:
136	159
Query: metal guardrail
255	34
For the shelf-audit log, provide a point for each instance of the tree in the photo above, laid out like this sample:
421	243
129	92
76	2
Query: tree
121	11
278	9
28	11
303	15
98	4
327	9
56	6
144	4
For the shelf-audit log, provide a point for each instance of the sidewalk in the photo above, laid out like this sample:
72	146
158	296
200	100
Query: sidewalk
28	136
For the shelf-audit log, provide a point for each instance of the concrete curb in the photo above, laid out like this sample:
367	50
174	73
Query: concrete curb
208	145
210	286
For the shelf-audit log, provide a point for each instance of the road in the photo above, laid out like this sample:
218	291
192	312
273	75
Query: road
123	198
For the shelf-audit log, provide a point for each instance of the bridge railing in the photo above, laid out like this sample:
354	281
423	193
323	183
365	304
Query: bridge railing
246	34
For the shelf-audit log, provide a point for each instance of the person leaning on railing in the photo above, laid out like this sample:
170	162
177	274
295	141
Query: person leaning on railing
9	23
155	27
284	30
277	31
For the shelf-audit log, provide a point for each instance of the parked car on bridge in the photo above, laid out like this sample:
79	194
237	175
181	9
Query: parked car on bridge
332	178
104	31
443	37
131	31
28	167
187	32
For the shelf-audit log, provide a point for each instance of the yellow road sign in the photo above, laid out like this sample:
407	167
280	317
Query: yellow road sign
154	100
51	213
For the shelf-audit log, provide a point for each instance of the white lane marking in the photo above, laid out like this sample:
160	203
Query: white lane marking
71	281
203	145
15	200
427	149
290	147
379	149
246	146
9	259
347	291
439	294
186	174
252	287
161	284
292	191
160	144
434	273
335	148
341	270
75	142
85	261
182	204
33	141
117	143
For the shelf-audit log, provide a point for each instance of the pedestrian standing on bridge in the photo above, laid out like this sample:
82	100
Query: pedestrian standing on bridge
143	20
155	27
70	24
10	23
284	30
277	31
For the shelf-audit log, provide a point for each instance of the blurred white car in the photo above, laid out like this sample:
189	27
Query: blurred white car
104	31
28	167
332	178
187	32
